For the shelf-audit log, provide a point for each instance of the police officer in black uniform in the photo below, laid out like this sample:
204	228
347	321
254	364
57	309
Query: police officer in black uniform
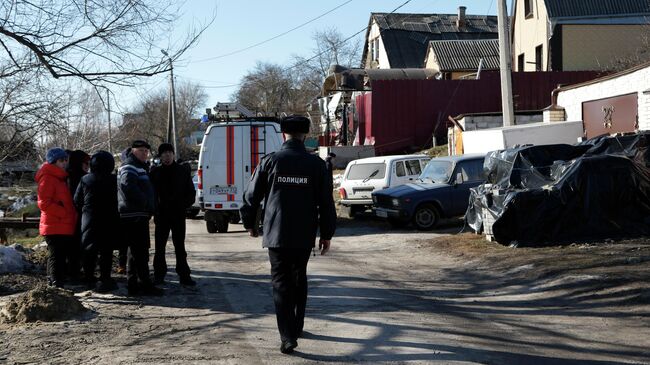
295	188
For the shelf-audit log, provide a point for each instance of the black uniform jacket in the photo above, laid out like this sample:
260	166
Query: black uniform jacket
297	198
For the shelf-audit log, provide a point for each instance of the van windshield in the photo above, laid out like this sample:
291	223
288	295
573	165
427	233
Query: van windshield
437	171
367	171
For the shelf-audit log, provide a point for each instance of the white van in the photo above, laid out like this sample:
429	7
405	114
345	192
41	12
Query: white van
363	176
229	154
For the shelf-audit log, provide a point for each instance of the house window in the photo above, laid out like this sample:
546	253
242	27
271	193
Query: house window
521	64
538	58
528	8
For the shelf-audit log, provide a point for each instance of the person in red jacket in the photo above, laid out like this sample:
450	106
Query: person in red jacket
58	214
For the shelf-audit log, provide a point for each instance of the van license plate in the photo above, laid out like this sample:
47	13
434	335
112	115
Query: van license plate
232	190
381	213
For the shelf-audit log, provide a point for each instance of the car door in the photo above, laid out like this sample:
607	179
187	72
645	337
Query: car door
471	174
413	169
399	175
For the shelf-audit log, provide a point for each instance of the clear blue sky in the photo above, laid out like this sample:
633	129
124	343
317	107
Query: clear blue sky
243	23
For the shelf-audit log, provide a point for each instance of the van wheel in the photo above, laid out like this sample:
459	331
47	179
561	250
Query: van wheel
222	226
211	226
426	217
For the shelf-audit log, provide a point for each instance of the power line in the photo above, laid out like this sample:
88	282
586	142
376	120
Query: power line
276	36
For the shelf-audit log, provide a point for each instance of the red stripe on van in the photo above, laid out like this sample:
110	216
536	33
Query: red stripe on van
230	158
255	147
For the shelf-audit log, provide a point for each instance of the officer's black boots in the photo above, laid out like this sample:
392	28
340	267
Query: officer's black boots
288	346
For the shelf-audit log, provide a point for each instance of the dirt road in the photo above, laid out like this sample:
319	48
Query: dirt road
378	297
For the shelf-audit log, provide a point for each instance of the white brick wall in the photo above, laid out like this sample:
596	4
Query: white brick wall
636	82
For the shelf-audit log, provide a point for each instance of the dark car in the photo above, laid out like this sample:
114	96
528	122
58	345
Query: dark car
441	191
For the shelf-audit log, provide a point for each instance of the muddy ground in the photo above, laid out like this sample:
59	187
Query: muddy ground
380	296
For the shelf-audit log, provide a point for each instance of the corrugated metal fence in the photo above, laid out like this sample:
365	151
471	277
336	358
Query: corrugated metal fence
403	115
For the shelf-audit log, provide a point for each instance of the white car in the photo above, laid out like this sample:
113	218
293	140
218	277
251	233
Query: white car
363	176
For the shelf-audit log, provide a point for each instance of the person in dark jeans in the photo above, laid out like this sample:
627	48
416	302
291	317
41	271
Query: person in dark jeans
96	199
58	214
174	194
136	204
296	190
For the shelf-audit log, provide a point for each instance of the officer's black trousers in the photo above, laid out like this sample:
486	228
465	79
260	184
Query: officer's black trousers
175	223
58	247
289	279
136	234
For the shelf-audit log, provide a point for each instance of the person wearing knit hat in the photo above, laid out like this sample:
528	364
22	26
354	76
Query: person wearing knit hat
55	154
174	194
58	215
165	147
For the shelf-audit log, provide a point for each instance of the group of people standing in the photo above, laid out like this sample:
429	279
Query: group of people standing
88	211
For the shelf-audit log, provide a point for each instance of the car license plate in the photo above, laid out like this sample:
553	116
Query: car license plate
381	213
232	190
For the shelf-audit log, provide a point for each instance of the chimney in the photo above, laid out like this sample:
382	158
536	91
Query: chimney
462	21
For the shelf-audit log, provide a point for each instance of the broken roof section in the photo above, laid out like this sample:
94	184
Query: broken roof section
358	79
465	55
406	37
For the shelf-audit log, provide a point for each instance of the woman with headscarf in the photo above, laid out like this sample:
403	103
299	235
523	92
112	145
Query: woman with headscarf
96	199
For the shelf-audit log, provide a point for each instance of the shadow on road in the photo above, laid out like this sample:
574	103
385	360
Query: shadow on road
484	322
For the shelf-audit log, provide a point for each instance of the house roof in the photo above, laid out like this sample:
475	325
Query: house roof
406	37
595	8
461	55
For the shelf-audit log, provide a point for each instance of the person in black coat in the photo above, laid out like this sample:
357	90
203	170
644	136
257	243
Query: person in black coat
174	194
96	199
77	167
295	188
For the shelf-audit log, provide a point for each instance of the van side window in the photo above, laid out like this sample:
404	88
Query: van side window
413	167
399	169
472	170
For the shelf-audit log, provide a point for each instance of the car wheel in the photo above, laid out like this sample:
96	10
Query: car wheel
211	226
192	214
397	223
426	217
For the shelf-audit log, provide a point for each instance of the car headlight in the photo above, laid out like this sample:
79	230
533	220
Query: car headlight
395	202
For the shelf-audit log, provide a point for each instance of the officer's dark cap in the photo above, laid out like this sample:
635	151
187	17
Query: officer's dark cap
140	143
295	124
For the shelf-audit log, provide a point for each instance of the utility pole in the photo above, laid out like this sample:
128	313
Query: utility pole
110	133
171	116
506	65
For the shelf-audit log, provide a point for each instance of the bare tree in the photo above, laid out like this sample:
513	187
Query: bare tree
148	120
266	89
330	48
100	41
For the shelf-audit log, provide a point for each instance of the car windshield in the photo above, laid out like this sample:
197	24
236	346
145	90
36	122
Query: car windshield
367	171
437	171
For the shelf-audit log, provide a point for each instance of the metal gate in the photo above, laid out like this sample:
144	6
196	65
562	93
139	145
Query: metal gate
611	115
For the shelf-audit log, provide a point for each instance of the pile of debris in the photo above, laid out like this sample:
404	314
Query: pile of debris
45	304
555	194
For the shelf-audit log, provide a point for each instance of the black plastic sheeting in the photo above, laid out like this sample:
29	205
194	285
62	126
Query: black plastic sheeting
555	194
